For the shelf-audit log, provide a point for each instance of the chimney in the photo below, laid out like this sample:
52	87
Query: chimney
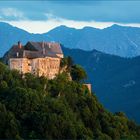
43	47
19	45
49	45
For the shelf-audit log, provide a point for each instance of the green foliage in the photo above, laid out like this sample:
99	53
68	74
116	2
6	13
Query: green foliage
37	108
68	62
78	73
9	127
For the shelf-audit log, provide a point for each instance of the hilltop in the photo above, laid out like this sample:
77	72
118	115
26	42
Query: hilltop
114	79
37	108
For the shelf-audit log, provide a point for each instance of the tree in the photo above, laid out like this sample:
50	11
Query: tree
9	127
78	73
68	62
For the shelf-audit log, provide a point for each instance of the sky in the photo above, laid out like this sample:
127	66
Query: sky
39	16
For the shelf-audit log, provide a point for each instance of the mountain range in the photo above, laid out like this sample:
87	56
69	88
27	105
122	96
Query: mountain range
114	79
117	40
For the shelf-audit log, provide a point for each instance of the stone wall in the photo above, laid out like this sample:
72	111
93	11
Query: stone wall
48	66
88	86
20	64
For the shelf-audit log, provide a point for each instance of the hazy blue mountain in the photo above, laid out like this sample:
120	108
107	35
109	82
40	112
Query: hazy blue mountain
10	35
117	40
115	80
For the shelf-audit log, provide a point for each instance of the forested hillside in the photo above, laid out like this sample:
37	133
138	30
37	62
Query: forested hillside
37	108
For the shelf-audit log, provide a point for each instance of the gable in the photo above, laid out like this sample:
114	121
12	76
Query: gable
31	47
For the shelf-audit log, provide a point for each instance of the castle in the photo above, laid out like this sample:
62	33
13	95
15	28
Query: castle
39	58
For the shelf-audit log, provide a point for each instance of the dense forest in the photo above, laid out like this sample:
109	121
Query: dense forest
34	107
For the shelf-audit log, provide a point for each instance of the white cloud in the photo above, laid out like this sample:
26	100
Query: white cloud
53	21
50	16
11	13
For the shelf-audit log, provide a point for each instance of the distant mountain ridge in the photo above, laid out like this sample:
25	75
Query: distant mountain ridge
115	80
117	40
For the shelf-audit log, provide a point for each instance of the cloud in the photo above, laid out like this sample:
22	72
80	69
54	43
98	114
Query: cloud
50	16
52	21
125	11
11	14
